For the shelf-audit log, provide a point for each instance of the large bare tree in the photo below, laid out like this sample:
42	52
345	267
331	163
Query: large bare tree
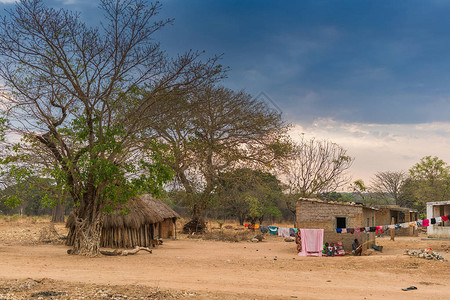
218	130
388	184
315	166
74	92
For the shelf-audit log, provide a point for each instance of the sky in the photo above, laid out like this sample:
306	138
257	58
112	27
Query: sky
371	76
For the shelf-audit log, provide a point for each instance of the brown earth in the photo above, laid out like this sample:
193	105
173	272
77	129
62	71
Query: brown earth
198	269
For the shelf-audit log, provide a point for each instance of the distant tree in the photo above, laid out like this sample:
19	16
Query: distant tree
73	92
407	195
217	130
249	195
388	184
359	188
430	180
315	167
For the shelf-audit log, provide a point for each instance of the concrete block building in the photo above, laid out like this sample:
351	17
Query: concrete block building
434	210
319	214
385	213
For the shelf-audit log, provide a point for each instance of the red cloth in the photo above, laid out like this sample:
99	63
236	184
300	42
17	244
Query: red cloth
312	242
426	223
379	229
246	225
444	218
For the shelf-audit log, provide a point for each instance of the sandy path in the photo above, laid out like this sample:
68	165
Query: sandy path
243	270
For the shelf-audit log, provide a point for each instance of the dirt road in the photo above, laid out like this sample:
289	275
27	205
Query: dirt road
266	270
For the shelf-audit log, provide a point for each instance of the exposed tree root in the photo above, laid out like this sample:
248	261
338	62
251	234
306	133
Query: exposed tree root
116	252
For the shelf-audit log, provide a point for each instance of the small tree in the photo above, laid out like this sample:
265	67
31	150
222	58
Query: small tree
249	195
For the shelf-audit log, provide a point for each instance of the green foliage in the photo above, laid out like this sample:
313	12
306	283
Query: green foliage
429	181
249	195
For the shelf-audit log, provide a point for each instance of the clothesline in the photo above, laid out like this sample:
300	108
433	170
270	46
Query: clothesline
286	231
381	229
274	230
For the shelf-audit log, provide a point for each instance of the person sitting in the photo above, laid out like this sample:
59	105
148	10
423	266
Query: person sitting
356	248
325	249
330	251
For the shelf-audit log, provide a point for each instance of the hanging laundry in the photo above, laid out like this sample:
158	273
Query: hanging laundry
339	230
251	226
413	224
426	223
438	219
379	229
366	229
292	232
283	231
298	241
264	229
350	230
398	226
273	230
433	221
246	225
344	230
444	218
385	228
373	229
419	223
391	227
357	229
312	242
256	226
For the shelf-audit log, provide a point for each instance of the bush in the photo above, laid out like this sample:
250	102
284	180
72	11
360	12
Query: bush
228	236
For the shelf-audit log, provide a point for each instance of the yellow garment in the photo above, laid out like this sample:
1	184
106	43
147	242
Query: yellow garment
256	226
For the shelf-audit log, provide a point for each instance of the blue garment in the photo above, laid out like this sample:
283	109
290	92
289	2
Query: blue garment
264	229
339	230
273	230
293	231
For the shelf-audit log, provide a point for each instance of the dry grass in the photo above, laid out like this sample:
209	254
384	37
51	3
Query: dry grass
228	235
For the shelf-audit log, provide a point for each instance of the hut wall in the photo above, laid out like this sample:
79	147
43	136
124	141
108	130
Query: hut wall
166	229
127	237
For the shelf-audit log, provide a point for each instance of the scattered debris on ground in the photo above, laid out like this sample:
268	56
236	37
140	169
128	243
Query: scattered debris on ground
289	239
426	254
51	289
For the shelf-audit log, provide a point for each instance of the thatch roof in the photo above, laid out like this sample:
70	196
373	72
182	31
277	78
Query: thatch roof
143	210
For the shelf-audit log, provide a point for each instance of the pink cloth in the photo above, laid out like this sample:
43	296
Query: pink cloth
312	242
426	223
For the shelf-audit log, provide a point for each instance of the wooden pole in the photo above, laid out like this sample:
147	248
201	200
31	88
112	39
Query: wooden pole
392	230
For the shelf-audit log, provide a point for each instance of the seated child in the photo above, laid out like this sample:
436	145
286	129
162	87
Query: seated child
325	248
330	250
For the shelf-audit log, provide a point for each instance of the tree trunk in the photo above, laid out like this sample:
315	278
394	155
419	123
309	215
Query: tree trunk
241	219
88	230
58	213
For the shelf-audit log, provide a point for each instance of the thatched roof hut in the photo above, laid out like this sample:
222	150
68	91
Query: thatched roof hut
148	219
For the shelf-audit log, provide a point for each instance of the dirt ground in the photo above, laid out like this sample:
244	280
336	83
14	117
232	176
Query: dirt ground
198	269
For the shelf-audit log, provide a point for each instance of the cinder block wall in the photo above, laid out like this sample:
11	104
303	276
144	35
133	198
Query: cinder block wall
312	214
